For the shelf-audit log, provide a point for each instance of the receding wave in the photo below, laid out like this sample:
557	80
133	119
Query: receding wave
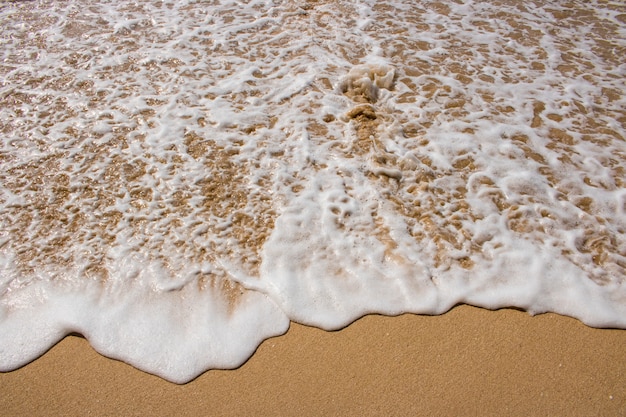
179	180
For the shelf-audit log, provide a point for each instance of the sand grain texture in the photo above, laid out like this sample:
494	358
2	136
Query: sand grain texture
469	361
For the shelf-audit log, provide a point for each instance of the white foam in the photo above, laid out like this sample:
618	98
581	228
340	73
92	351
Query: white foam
178	182
176	333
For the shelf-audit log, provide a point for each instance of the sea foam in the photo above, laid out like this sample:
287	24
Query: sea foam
182	179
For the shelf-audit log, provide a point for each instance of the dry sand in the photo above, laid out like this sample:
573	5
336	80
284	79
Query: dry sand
469	361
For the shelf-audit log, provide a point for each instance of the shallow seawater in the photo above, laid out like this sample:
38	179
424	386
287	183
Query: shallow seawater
179	179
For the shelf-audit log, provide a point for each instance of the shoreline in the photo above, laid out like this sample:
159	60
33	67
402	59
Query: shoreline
468	361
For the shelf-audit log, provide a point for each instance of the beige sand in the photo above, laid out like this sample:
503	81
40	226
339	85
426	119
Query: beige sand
466	362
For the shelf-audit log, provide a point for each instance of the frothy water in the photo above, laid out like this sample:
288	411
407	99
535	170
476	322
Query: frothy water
180	179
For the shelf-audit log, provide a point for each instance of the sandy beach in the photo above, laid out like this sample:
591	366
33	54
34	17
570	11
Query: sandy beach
469	361
196	173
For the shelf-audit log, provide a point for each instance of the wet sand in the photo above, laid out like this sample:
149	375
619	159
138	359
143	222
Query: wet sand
469	361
